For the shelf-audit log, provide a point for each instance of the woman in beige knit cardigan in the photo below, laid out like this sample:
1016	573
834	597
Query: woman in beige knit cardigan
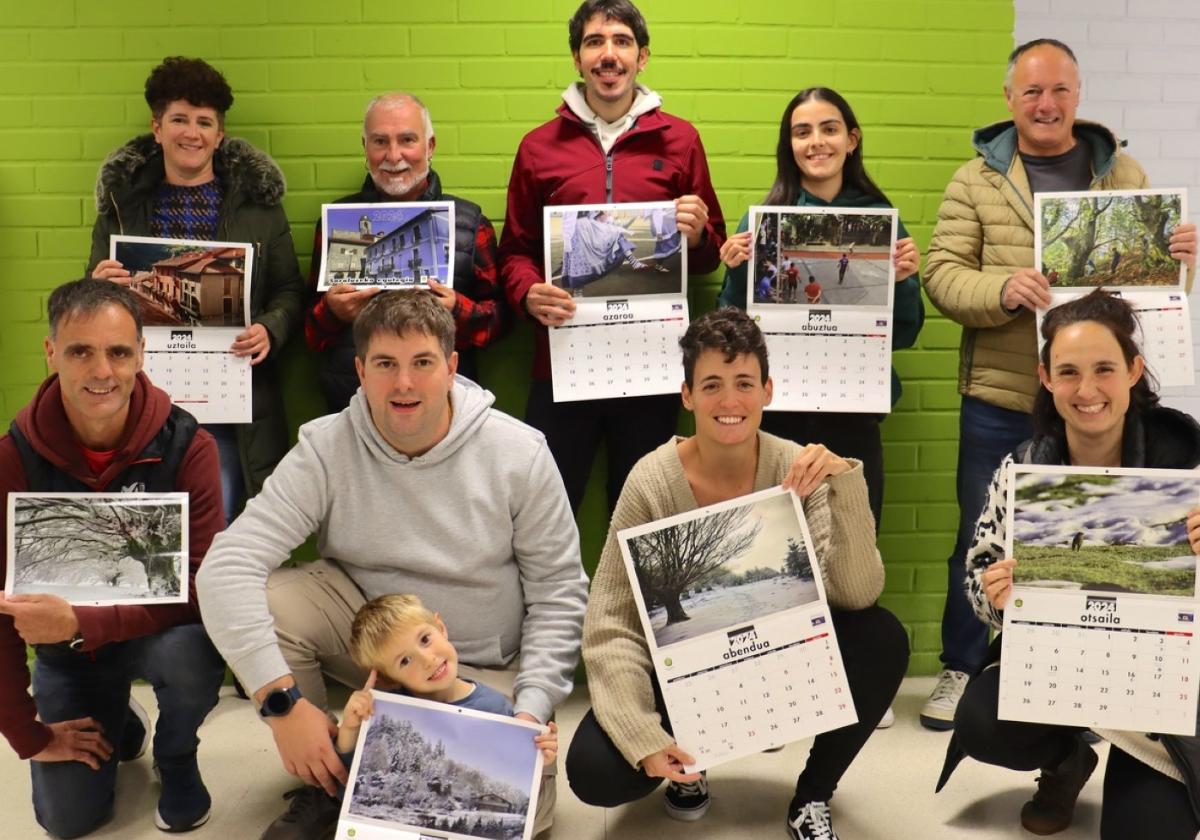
624	747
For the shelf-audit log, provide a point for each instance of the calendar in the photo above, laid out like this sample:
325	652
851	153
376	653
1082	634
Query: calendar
1099	630
625	266
734	611
821	284
195	301
1118	239
392	245
425	770
196	368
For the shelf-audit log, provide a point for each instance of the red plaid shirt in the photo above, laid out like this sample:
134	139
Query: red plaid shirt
479	319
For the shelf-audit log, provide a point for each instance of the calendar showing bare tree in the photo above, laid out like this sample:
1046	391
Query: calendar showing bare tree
430	766
1127	532
721	567
92	549
817	257
1113	238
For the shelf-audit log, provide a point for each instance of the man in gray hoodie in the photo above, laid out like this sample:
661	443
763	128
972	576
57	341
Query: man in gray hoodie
419	486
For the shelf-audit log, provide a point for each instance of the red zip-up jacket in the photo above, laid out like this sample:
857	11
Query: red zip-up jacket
561	162
44	424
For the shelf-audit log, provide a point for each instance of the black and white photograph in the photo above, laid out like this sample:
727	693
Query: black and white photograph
1109	237
814	256
427	766
181	282
720	566
95	549
1114	530
619	250
392	245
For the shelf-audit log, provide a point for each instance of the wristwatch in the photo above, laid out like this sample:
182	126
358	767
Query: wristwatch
280	701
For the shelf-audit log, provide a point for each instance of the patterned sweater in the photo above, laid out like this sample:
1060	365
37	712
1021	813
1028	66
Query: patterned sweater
614	646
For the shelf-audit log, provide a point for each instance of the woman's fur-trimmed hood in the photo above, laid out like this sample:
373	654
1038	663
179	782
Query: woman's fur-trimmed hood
138	165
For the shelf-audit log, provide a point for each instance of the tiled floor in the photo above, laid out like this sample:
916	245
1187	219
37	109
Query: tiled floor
886	795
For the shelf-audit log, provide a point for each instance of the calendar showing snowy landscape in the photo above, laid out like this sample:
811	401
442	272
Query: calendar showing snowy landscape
99	549
432	770
733	607
1099	630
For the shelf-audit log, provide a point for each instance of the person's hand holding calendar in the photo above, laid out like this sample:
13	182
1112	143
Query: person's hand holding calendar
668	763
1193	529
998	578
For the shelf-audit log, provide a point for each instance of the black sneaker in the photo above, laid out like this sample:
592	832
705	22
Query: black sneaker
135	737
184	803
688	801
810	821
312	814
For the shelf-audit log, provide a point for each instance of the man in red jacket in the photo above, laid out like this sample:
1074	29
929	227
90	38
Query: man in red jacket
98	425
609	143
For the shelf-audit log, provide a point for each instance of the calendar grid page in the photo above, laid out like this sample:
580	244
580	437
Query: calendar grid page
1099	630
1117	240
821	284
199	373
832	361
625	267
748	660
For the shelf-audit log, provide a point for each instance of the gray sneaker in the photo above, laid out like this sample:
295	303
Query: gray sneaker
938	711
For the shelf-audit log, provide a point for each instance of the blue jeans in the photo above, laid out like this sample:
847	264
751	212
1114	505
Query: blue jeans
233	486
986	433
69	798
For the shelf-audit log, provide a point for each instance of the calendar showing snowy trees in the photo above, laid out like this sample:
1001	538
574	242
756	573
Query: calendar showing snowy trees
432	766
1104	530
719	568
121	548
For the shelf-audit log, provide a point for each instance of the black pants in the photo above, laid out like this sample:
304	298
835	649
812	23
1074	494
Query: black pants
848	435
1017	745
1142	804
629	428
875	653
1139	802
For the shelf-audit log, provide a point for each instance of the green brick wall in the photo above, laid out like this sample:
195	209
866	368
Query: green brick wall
920	73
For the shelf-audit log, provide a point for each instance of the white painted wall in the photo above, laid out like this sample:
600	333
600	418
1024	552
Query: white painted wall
1141	77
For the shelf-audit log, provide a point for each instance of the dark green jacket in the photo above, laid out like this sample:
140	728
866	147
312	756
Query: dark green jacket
250	212
908	310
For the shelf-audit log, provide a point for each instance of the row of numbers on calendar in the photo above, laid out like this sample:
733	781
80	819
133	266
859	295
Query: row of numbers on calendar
749	657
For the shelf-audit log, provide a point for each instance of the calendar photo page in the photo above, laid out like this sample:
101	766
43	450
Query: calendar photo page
1099	630
625	267
821	283
195	301
733	607
388	245
464	774
1120	240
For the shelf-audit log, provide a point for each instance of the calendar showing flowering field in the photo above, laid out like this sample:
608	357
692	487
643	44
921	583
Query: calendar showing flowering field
1104	532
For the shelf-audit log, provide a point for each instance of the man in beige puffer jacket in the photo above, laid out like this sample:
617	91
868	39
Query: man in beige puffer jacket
980	274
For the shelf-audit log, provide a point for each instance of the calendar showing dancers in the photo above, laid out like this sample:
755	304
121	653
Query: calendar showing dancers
615	251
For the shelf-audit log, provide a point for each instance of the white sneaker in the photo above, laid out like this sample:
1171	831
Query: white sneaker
889	718
938	711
